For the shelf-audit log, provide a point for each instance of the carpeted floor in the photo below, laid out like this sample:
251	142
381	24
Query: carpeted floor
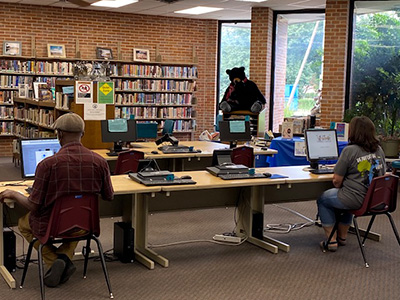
204	270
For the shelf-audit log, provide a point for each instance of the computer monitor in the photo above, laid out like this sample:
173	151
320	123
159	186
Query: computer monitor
221	156
146	130
321	144
147	165
118	131
234	131
34	151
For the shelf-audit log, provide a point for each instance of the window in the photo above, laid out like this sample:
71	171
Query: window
298	59
234	51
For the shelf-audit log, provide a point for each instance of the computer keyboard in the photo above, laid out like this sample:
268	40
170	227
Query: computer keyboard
174	149
241	176
323	171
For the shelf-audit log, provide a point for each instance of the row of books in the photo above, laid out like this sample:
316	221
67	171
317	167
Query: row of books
154	98
154	71
31	132
155	85
6	128
62	101
42	117
12	81
6	112
153	112
181	125
7	97
15	65
56	68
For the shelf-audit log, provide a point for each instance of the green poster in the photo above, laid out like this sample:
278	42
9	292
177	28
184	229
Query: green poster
105	92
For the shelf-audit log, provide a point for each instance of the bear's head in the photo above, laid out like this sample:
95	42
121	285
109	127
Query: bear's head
236	75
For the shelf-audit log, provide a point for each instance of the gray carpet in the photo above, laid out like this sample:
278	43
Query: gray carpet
205	270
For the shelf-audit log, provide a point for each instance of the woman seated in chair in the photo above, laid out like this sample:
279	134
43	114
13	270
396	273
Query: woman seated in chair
360	161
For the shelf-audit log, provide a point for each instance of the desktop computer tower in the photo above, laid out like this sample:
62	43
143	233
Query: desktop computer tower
10	261
123	242
258	225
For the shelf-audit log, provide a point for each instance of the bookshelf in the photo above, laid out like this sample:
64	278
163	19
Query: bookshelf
151	91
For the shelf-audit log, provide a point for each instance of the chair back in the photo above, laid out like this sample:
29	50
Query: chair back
72	213
243	156
168	127
128	161
381	196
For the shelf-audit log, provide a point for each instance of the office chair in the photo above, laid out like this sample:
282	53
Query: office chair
168	126
71	212
381	198
243	156
128	162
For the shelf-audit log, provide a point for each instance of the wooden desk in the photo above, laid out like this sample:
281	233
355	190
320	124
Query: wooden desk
177	160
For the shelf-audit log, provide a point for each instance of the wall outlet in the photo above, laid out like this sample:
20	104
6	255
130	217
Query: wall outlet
227	238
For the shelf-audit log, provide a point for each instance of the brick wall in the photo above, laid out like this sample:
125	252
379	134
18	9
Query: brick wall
261	50
335	52
175	38
6	146
280	71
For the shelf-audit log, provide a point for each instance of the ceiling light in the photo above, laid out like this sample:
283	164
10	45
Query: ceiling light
258	1
198	10
113	3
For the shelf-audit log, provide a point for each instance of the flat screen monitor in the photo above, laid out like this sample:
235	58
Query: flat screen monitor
321	144
147	165
118	131
34	151
234	131
146	130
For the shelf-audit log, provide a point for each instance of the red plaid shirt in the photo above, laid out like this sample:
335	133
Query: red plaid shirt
73	169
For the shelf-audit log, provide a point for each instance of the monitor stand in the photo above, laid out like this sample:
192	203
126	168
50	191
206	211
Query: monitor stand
116	149
232	144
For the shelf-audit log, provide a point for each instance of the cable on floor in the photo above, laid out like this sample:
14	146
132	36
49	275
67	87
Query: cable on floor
288	227
196	241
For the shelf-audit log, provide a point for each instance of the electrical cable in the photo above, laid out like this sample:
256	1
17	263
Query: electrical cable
288	227
196	241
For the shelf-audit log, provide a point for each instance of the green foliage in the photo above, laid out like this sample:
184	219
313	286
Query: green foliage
306	103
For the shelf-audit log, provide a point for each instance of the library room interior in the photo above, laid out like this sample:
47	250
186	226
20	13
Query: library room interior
199	149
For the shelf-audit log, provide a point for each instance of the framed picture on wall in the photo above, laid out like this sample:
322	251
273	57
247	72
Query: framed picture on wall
104	53
55	50
12	48
141	54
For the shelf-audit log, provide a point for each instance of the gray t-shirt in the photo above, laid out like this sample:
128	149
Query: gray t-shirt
358	168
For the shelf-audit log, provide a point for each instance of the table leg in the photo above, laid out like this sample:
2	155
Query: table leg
3	270
145	255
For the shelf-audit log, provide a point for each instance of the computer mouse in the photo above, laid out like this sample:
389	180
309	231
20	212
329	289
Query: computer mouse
186	177
264	148
154	152
198	151
266	174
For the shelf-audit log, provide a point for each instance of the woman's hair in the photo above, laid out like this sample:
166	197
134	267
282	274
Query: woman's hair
362	133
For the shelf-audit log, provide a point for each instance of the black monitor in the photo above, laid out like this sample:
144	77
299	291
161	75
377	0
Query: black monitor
221	156
146	165
321	144
234	131
34	151
118	131
146	130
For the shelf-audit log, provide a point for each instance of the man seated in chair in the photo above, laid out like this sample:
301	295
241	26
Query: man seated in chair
73	169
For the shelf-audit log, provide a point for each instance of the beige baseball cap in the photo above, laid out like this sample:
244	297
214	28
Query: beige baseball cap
70	122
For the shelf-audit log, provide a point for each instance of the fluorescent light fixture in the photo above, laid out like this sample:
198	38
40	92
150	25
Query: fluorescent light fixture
198	10
258	1
113	3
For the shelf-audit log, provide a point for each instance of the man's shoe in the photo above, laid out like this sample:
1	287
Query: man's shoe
69	270
54	274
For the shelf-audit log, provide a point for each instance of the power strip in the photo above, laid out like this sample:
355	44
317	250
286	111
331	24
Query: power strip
227	238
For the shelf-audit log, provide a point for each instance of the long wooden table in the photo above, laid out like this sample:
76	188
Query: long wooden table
199	160
299	186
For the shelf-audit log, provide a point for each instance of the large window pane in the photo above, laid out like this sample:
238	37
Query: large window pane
298	65
375	66
234	51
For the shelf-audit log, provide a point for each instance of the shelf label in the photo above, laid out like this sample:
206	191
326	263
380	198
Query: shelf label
94	111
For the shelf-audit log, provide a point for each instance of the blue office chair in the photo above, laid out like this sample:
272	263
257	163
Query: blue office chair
168	127
218	118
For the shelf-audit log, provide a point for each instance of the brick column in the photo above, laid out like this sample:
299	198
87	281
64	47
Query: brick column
280	72
335	59
260	50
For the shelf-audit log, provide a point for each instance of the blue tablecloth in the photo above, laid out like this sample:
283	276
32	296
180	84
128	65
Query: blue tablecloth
285	156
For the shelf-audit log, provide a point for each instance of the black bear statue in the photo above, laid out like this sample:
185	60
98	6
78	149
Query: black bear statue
241	94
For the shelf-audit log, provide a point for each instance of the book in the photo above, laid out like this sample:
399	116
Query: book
342	131
287	130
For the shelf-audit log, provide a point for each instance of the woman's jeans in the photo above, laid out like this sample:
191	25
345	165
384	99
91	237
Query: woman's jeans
328	204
